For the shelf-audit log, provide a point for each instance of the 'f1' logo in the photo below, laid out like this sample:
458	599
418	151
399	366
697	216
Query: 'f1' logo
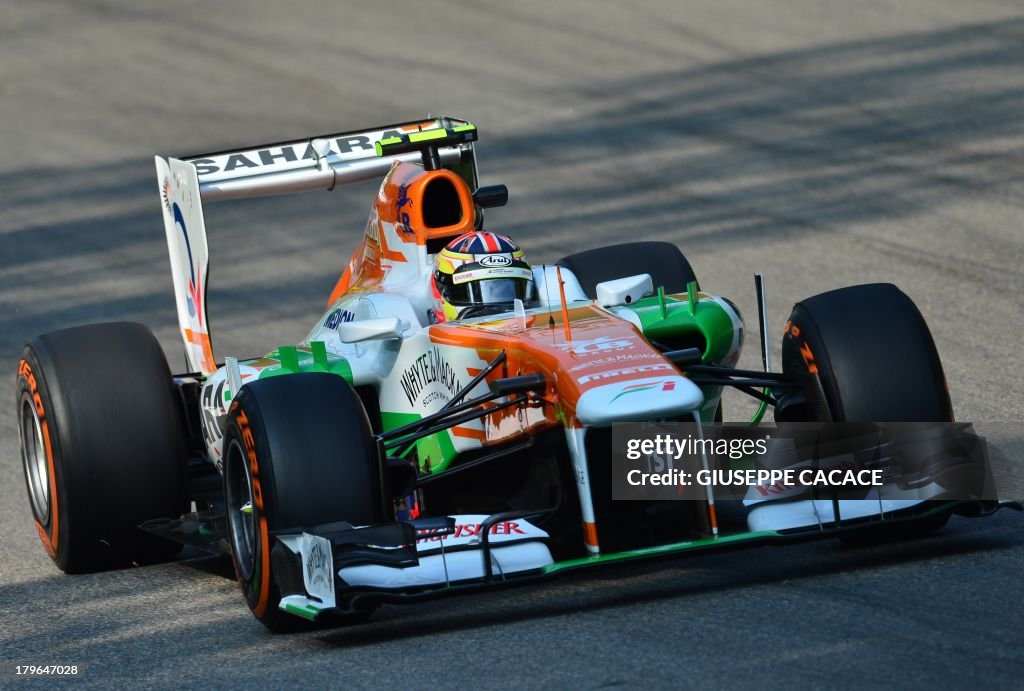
637	388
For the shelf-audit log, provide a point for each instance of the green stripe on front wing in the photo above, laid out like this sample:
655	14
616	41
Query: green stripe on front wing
711	543
306	612
706	543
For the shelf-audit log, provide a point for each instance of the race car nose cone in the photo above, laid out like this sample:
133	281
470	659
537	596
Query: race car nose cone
640	399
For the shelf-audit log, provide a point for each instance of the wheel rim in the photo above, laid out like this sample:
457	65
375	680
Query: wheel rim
33	456
241	522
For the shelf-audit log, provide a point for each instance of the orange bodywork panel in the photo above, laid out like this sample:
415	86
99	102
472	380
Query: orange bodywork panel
601	344
398	214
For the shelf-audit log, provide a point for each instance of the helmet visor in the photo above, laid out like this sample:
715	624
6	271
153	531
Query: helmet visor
490	291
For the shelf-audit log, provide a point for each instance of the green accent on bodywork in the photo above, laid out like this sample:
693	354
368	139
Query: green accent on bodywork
289	357
295	359
706	543
427	135
438	449
306	612
390	421
379	146
705	317
664	318
319	350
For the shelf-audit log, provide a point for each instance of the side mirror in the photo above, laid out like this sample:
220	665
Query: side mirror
380	329
491	196
624	291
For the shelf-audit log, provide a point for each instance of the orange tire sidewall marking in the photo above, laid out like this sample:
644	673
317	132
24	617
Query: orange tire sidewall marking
808	356
793	331
49	539
257	499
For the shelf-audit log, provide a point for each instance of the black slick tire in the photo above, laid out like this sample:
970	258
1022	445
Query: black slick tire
877	363
873	352
102	444
664	262
298	453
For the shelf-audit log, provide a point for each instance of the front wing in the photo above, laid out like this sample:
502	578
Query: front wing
340	569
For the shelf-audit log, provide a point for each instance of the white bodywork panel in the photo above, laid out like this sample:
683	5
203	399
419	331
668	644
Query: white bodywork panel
318	568
545	277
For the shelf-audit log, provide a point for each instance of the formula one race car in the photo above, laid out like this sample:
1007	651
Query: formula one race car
446	425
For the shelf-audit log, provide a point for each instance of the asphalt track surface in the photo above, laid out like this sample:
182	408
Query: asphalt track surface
821	143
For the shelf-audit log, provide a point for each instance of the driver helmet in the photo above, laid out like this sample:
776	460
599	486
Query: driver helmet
479	273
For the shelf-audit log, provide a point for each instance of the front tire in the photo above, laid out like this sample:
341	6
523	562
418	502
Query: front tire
299	452
877	363
102	444
873	352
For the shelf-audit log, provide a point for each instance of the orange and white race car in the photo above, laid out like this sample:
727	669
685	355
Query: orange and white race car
457	418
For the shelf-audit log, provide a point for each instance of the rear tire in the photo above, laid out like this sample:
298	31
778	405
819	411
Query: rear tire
299	451
662	260
102	444
877	362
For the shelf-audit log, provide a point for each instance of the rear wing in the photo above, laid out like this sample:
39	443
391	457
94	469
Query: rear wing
316	163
